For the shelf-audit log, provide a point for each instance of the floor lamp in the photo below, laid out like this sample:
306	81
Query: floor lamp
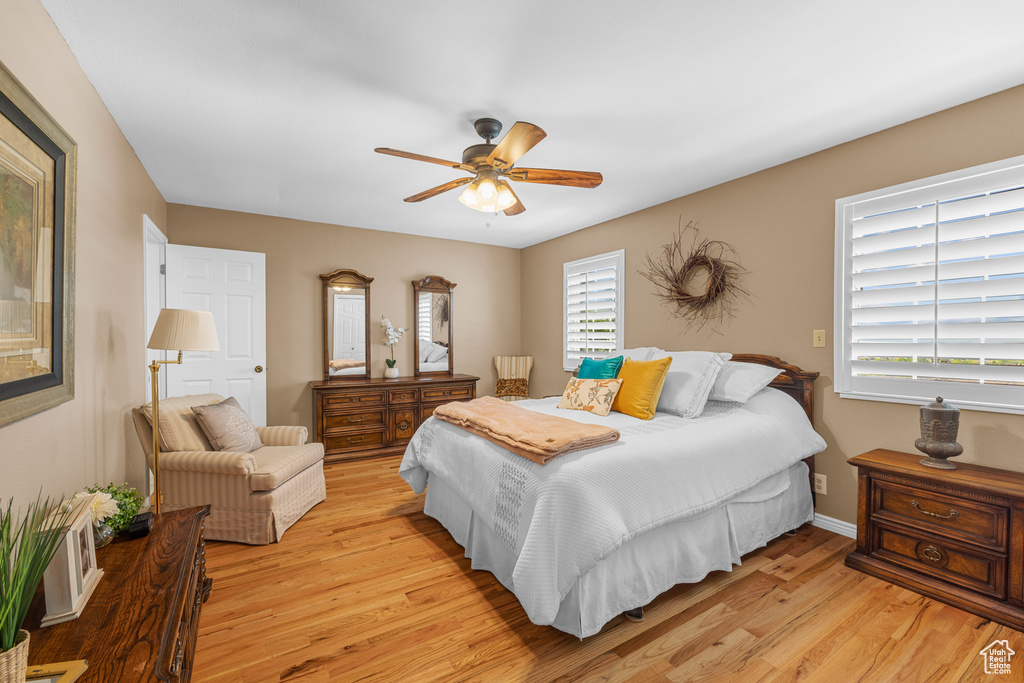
176	329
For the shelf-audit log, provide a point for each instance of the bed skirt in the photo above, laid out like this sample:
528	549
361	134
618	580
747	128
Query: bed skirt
637	572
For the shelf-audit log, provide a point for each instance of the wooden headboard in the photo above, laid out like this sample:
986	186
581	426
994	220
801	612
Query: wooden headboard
794	381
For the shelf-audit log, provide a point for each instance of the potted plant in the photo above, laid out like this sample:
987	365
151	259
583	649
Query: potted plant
27	544
393	336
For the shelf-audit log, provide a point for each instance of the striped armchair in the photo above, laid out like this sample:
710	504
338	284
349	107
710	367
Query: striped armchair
254	497
513	377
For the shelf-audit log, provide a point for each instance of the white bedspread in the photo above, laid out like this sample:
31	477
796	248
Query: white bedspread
562	518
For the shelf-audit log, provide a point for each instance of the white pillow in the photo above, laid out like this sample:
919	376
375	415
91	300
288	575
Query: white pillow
437	353
641	353
688	381
425	347
740	381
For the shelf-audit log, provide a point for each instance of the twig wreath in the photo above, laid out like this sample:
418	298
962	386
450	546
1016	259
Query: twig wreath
677	272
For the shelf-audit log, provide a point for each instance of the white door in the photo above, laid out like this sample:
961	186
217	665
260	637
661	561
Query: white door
231	285
349	327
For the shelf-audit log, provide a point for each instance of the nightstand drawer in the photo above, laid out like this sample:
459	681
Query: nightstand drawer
957	518
351	421
949	561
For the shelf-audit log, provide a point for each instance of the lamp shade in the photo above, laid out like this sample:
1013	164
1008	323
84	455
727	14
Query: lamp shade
179	329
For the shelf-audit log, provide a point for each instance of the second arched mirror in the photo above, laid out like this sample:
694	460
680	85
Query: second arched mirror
432	315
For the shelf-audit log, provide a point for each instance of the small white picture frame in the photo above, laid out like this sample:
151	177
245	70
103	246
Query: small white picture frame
72	575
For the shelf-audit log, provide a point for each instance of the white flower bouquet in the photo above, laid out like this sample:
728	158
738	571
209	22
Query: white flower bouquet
393	336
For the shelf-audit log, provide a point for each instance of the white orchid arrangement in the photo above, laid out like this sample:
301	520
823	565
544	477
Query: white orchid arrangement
103	506
393	336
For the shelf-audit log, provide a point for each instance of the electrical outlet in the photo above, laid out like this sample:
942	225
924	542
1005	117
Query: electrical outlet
819	484
819	339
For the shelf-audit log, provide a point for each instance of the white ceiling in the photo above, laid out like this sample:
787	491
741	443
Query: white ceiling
275	107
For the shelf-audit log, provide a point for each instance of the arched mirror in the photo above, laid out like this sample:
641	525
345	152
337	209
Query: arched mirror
346	324
432	315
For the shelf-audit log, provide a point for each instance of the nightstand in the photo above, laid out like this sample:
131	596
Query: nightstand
953	535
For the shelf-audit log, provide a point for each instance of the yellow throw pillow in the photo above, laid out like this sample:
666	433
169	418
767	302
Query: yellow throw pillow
642	382
592	395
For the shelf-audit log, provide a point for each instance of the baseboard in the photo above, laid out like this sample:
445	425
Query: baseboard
835	525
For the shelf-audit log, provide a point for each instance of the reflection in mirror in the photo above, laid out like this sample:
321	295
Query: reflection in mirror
346	324
433	325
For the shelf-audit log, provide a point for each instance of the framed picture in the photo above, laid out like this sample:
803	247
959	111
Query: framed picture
72	575
38	163
58	672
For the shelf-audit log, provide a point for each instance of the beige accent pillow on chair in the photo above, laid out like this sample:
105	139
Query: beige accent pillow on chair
179	430
228	427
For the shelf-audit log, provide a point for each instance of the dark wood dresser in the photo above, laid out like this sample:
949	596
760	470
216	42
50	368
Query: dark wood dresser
370	418
953	535
141	623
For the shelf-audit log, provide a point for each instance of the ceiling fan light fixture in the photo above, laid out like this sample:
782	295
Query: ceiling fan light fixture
505	196
469	197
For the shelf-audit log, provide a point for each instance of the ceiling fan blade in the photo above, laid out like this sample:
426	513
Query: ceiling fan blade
434	191
551	176
519	140
516	208
421	157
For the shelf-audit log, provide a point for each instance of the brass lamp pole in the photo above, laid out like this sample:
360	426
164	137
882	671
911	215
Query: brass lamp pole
181	330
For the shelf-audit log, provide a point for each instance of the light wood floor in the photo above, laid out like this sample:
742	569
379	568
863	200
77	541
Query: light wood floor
367	588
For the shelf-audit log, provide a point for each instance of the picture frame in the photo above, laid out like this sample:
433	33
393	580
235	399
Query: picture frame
38	174
58	672
72	575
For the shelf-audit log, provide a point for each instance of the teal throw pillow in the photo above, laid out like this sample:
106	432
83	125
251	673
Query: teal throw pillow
600	369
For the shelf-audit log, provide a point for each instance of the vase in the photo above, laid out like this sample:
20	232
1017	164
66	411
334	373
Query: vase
14	662
102	535
391	373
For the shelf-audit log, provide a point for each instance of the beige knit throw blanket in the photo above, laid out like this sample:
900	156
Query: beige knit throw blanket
536	436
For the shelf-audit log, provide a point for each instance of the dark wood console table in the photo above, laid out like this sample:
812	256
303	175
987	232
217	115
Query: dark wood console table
141	623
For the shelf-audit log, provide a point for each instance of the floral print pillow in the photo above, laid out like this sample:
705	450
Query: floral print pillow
592	395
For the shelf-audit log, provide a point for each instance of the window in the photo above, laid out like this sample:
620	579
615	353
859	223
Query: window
930	290
592	308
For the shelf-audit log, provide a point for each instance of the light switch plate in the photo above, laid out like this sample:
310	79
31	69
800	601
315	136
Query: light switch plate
818	339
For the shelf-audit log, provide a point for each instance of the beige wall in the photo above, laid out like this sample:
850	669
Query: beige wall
781	223
85	441
485	304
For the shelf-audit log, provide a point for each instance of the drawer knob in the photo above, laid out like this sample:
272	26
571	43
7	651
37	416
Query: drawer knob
354	399
951	515
404	424
447	393
932	553
357	419
403	395
353	439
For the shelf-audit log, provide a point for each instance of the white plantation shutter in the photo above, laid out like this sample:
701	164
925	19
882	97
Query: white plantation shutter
426	321
930	290
592	309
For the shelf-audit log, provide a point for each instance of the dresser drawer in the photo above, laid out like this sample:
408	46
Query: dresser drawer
353	420
356	441
949	561
339	399
956	518
403	396
443	394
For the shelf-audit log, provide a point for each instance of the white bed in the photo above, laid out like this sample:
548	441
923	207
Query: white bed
599	532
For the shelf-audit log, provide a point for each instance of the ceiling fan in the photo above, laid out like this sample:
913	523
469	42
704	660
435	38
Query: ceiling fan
490	164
